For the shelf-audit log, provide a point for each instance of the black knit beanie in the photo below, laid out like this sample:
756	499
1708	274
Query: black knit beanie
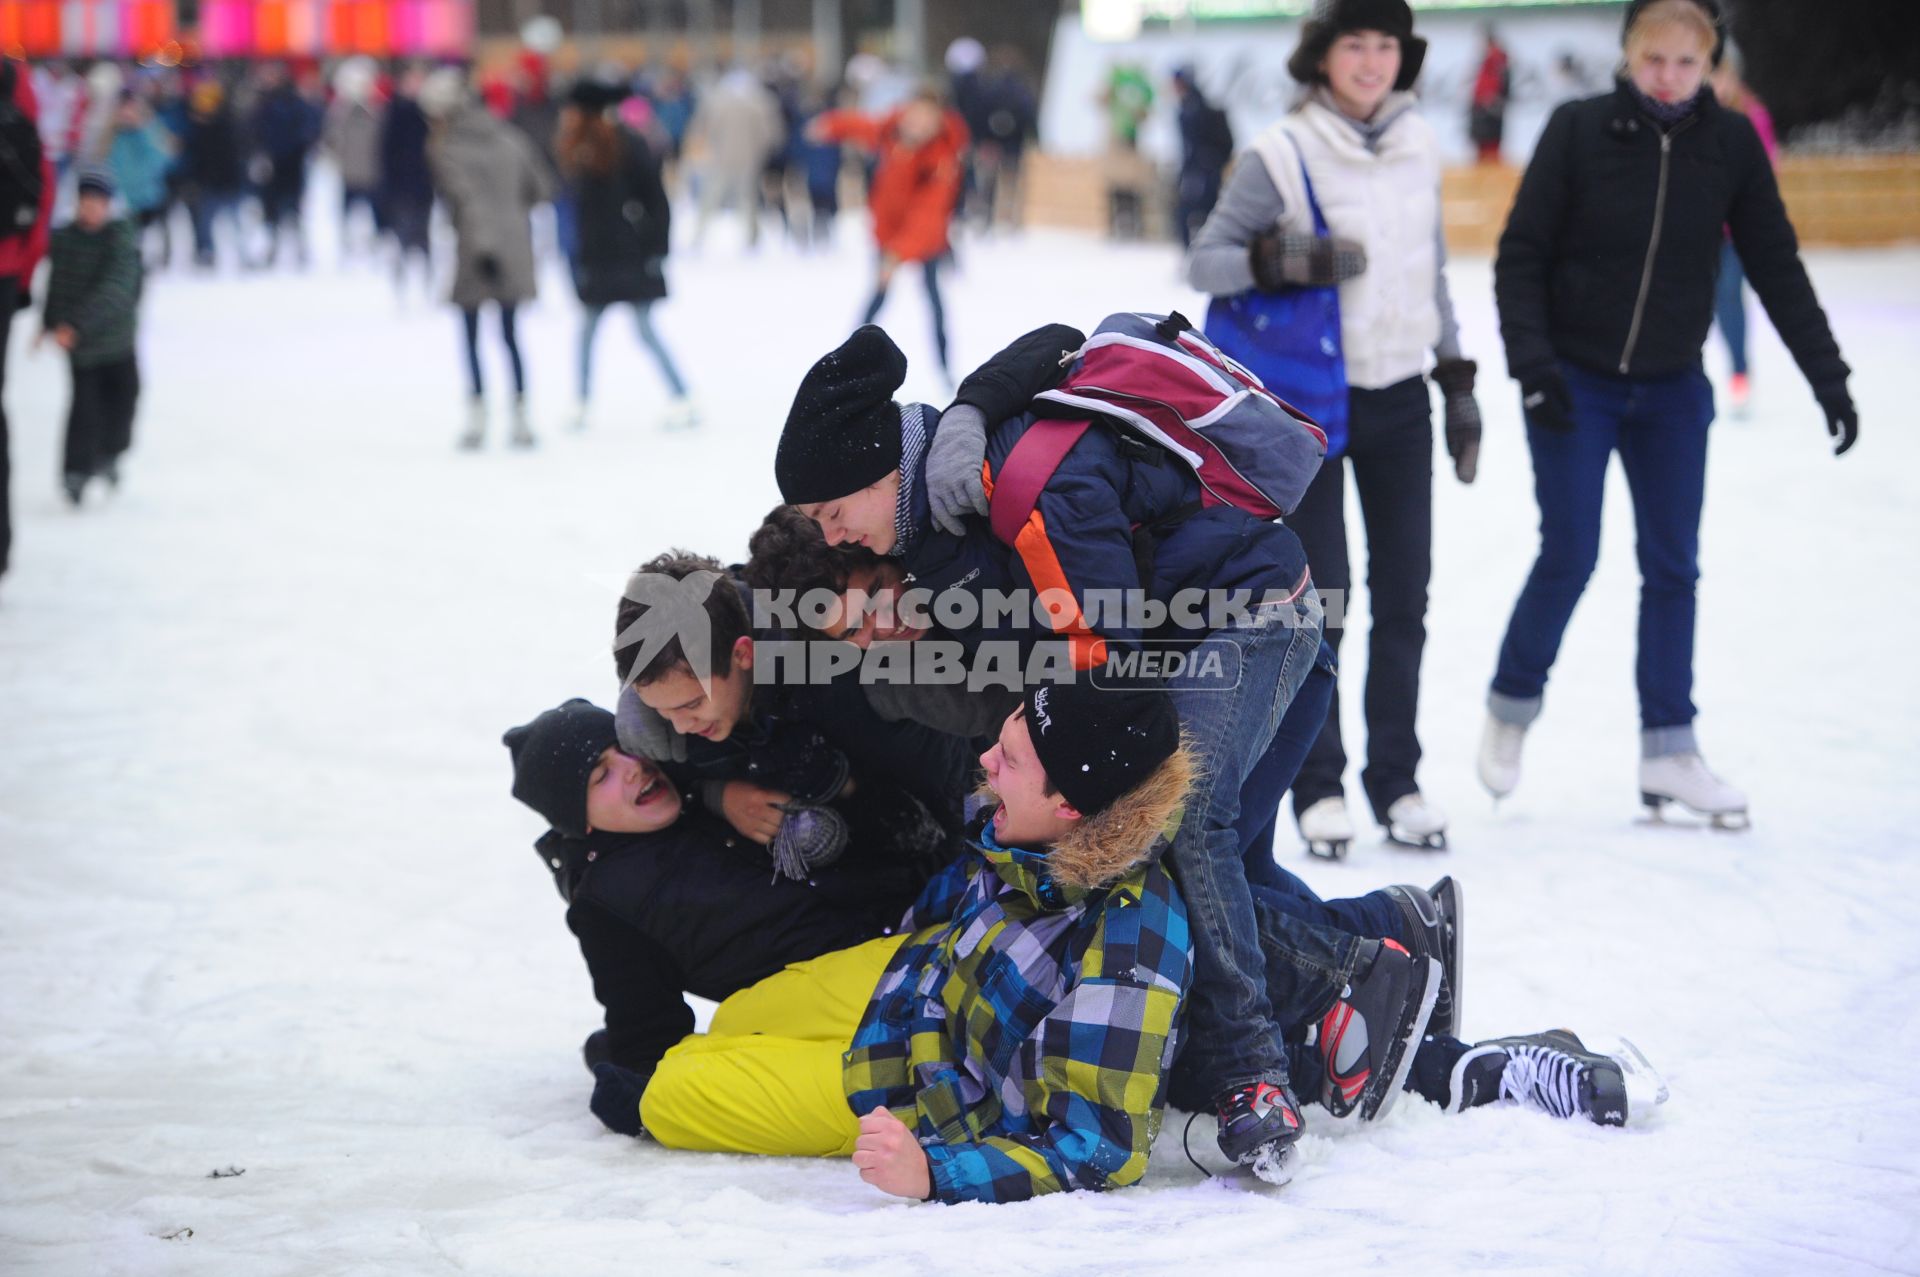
554	757
1332	19
1710	7
1099	742
843	432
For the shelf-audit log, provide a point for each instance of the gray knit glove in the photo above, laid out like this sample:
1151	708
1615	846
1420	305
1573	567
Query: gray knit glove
810	838
954	486
1455	379
1287	260
643	733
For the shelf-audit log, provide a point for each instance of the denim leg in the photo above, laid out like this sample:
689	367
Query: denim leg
510	336
643	316
589	325
1274	774
1569	481
1663	448
1730	305
1373	915
1233	1037
930	270
1307	965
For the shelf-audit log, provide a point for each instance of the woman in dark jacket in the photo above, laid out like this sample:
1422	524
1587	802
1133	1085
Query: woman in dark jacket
1605	284
622	220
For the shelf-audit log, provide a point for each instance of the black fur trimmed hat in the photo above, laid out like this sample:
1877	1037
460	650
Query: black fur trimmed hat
1331	19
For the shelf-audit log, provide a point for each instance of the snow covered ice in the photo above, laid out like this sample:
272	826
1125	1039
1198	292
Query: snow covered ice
269	905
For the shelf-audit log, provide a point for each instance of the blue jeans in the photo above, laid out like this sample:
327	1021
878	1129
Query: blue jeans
1730	305
1237	1008
643	317
1659	427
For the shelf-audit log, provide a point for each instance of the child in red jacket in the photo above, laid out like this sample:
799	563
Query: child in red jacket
916	182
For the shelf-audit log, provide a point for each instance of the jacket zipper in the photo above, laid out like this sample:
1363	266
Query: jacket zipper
1653	245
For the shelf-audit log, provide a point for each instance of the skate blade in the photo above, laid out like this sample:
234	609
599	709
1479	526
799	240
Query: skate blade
1408	1044
1329	848
1272	1165
1646	1089
1656	806
1436	841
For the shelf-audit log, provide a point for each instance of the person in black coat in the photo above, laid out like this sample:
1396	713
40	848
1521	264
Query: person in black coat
1605	286
622	220
664	899
211	171
406	184
1206	147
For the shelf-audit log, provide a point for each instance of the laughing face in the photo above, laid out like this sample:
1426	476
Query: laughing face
868	610
1031	813
860	518
628	795
1361	68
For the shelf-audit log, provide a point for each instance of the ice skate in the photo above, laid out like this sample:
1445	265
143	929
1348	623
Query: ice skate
522	436
75	486
1435	928
1683	778
581	416
1499	760
1327	828
1413	821
680	414
1259	1124
476	432
1555	1073
1366	1042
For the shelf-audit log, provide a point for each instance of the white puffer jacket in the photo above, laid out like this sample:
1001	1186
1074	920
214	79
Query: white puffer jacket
1388	200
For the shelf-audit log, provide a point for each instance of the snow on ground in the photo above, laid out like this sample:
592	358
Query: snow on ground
269	905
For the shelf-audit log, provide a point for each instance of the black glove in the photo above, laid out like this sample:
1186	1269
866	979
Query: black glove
597	1049
1303	261
616	1097
1544	397
1455	379
1843	423
488	267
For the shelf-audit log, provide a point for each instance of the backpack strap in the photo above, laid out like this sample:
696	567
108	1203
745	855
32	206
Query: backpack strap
1026	472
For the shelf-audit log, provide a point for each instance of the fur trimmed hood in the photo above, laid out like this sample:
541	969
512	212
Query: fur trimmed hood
1101	849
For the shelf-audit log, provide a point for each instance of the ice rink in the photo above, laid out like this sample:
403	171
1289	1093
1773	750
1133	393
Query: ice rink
270	907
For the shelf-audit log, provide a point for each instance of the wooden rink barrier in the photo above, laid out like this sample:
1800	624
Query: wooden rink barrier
1835	201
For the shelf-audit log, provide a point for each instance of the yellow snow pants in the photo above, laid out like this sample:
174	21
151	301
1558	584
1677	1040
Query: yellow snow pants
765	1077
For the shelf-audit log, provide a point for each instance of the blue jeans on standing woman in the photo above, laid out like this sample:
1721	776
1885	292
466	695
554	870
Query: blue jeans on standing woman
1658	425
1730	306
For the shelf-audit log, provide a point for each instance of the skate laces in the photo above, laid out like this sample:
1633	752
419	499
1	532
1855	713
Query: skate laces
1543	1077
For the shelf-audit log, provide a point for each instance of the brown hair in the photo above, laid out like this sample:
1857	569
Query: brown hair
586	145
727	620
1671	13
787	552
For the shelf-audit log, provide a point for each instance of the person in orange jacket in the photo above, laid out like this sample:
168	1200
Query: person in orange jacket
917	148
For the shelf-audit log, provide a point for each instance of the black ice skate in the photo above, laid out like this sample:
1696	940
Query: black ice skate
1555	1073
1435	929
1259	1123
1366	1041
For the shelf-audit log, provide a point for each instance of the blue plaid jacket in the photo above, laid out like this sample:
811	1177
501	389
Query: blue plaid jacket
1026	1027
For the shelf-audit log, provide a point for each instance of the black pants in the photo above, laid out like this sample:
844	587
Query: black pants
1390	446
930	272
100	423
509	336
9	298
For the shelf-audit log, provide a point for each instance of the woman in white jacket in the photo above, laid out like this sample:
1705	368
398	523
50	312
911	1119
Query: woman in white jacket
1344	193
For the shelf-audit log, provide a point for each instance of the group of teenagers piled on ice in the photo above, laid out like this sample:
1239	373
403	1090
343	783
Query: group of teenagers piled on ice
978	937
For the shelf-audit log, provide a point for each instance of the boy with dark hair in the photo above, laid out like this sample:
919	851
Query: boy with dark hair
664	898
767	755
93	295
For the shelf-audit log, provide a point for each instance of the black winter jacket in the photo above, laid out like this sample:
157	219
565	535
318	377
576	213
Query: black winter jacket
695	908
1610	254
623	221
